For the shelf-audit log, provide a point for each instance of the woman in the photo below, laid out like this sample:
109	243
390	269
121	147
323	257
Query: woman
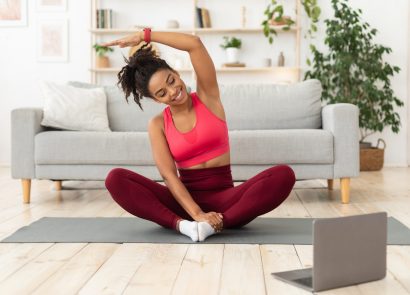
190	134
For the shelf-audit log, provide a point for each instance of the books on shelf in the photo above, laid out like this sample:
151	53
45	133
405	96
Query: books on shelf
203	18
104	18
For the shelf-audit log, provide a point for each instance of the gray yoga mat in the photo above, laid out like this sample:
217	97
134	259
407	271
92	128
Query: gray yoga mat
135	230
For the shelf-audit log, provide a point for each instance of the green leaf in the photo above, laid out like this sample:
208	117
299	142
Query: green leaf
315	12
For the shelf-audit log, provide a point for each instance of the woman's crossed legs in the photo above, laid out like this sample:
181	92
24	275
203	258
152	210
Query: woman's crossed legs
239	205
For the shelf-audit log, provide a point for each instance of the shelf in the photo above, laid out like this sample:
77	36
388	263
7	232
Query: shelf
254	69
121	31
116	70
222	69
243	29
195	30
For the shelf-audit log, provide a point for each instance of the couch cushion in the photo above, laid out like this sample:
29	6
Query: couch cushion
73	147
133	148
247	106
270	106
301	146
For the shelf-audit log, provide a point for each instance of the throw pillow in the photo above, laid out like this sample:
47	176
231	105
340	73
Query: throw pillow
125	116
71	108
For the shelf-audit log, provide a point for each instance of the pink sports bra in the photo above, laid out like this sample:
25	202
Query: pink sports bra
207	140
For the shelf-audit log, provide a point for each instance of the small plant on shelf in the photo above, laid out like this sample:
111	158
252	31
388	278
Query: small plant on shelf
102	61
231	45
274	16
102	50
230	42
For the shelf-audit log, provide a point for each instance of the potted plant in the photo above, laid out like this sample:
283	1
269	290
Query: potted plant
102	61
232	46
274	16
353	71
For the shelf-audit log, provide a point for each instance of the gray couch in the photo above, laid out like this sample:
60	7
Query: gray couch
268	125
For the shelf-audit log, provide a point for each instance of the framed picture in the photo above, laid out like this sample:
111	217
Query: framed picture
52	40
51	5
13	13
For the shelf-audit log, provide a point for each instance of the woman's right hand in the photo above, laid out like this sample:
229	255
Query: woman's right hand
131	40
213	218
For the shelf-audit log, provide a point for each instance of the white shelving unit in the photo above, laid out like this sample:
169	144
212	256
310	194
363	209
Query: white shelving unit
227	69
97	33
193	30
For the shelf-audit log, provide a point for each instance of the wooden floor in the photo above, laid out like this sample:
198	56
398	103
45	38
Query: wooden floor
40	268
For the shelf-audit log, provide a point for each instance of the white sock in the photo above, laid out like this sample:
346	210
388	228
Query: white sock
204	230
189	228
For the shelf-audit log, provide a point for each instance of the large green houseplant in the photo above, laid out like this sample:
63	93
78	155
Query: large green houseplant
353	70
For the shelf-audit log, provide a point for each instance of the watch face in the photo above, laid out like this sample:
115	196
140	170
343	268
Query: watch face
135	48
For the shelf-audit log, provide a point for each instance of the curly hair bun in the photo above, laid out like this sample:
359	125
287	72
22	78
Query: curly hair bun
140	66
144	49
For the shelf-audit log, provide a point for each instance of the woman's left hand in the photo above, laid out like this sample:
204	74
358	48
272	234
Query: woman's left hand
131	40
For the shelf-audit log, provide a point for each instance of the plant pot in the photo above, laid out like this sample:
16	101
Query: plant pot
283	21
102	62
232	54
372	158
365	145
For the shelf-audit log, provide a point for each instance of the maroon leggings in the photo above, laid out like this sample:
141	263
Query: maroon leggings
211	188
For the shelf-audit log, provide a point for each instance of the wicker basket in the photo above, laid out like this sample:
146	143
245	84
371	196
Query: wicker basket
371	159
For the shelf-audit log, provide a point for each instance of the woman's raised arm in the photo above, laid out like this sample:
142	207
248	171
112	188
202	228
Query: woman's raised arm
181	41
201	61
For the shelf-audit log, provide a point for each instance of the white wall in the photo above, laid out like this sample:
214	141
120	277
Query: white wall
20	72
408	88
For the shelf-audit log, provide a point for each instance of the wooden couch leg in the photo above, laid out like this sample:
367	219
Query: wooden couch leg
26	183
330	184
345	189
58	185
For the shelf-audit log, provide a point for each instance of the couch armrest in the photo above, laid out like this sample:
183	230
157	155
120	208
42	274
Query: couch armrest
342	119
25	124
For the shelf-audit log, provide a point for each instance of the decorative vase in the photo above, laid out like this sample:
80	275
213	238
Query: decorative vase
102	62
281	60
372	158
172	24
232	54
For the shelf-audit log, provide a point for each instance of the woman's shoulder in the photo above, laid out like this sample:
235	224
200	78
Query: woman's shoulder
158	120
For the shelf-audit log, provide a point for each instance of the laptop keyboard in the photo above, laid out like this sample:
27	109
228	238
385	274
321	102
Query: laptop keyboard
304	281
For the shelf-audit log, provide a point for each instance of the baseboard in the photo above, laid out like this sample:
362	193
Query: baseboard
398	165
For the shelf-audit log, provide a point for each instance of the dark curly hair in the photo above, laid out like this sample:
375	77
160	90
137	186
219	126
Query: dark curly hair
137	72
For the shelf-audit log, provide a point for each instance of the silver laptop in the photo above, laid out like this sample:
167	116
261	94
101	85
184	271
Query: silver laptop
346	251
